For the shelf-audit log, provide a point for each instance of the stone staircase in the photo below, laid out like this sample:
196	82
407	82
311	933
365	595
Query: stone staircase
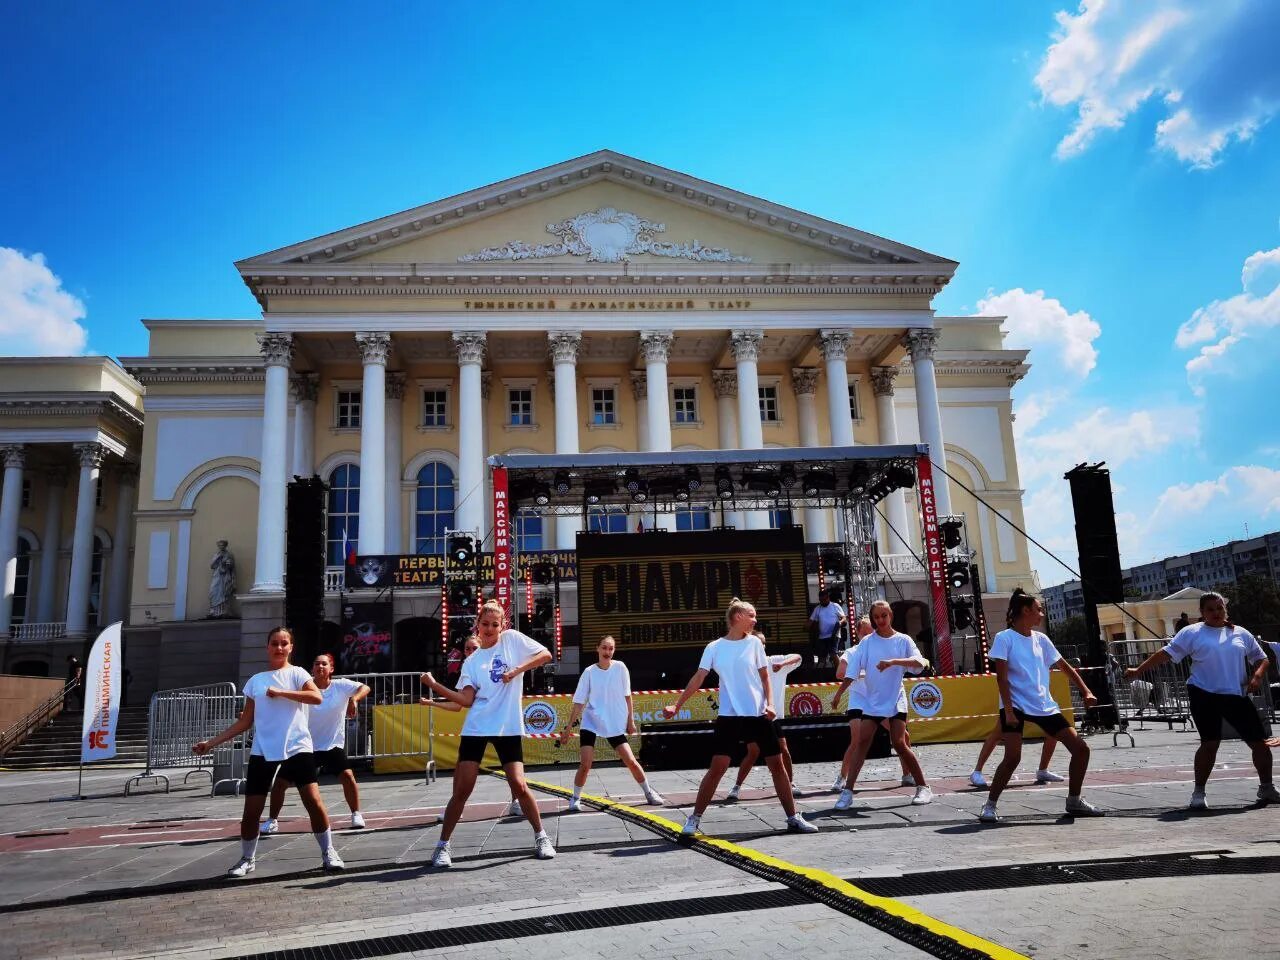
57	744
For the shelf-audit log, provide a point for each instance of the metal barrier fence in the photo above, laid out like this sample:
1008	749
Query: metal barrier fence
177	720
402	740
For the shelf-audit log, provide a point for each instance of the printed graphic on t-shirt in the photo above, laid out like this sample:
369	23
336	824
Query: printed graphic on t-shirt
497	667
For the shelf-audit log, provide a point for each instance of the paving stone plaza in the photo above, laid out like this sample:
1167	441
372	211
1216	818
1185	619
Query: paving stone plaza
110	876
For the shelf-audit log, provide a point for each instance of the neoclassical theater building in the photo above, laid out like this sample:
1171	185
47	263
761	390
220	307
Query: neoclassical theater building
601	304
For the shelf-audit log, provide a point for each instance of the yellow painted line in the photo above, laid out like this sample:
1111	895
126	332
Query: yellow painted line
829	881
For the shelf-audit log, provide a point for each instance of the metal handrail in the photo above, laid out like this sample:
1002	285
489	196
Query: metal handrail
36	718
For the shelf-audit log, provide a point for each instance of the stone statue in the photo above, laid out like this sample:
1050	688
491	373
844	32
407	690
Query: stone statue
222	584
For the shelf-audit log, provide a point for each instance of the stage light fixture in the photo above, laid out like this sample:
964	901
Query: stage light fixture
639	490
900	476
764	482
632	480
692	479
961	614
787	476
859	478
951	535
542	574
724	483
462	549
818	480
562	483
541	494
958	573
462	599
596	490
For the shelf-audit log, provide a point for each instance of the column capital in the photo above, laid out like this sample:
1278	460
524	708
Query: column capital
469	345
921	342
655	345
639	384
374	347
882	380
91	454
305	387
834	344
564	345
804	380
395	385
486	381
15	455
276	348
746	344
725	383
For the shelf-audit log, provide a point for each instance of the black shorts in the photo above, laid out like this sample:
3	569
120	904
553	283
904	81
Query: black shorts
300	770
588	738
509	749
854	714
332	761
778	731
1208	710
1052	725
824	646
731	731
892	716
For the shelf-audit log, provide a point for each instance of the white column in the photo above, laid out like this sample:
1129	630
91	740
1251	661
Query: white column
469	513
805	382
640	387
1128	622
392	503
921	342
277	354
91	457
47	590
835	351
374	348
564	345
746	351
655	345
725	384
895	505
126	501
15	457
306	390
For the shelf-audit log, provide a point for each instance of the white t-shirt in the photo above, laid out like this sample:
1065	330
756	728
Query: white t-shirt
495	712
883	694
605	694
778	680
738	664
328	720
280	727
857	683
1218	655
827	618
1030	660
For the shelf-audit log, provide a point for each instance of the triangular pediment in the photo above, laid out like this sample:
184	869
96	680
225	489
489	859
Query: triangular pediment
606	209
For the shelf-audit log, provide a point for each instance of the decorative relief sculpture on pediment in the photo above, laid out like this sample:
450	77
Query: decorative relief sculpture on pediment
605	235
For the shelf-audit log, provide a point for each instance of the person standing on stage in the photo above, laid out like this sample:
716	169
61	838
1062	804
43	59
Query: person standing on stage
603	702
884	656
275	709
746	712
1216	688
824	624
329	738
1023	658
489	688
1043	773
779	667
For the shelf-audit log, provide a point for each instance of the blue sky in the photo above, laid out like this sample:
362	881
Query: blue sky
1107	176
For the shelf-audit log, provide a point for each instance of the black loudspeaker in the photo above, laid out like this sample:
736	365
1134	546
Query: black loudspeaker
304	565
1096	533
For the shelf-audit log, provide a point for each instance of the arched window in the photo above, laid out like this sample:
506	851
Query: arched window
22	582
343	531
434	507
95	583
693	518
528	531
607	520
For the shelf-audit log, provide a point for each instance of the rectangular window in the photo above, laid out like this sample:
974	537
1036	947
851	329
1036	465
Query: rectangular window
607	520
604	407
520	405
685	404
435	408
769	404
26	493
97	492
853	400
348	411
693	518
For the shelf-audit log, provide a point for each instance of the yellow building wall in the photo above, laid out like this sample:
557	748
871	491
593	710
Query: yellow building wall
227	509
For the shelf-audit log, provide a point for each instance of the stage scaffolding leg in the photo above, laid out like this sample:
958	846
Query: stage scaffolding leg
857	519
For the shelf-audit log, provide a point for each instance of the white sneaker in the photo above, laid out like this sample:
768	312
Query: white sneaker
1267	793
846	800
441	857
732	795
977	779
357	820
838	785
655	799
268	827
908	780
799	824
923	795
575	805
691	824
1048	776
515	810
1198	802
245	867
331	861
988	814
542	848
1080	807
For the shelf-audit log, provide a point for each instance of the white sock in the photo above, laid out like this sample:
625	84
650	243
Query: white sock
540	834
644	785
577	791
324	838
441	843
249	848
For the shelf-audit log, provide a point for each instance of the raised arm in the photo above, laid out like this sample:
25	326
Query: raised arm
537	660
309	694
1153	661
463	698
694	685
242	724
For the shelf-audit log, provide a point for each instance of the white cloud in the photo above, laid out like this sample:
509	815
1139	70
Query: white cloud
37	317
1107	435
1250	487
1212	64
1044	325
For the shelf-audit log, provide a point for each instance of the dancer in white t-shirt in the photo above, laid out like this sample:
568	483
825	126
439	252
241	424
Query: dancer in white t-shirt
884	655
746	712
489	688
1024	658
603	703
275	709
857	702
328	723
780	665
1216	690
